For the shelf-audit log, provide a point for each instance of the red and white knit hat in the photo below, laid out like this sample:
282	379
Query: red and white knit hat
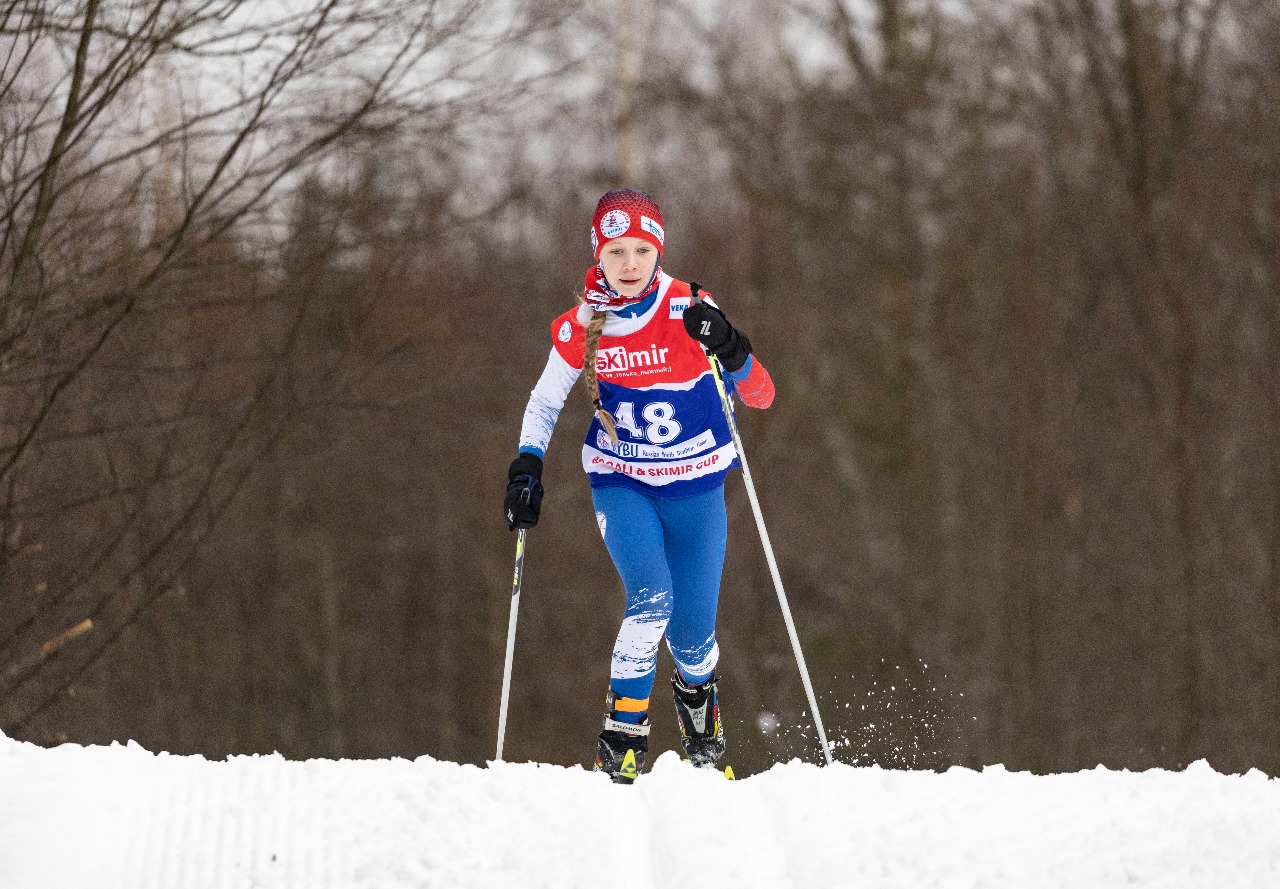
626	212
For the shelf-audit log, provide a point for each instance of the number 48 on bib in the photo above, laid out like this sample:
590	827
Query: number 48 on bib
659	417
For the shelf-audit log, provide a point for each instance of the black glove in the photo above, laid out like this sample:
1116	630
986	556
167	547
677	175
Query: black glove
708	325
524	492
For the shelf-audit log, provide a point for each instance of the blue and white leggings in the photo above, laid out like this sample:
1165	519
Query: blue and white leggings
670	555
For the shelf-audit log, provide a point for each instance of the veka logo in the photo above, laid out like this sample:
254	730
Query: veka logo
619	359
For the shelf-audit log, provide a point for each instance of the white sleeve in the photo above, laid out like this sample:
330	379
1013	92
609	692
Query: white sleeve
545	402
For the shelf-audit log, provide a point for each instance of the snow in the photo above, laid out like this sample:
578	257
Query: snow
121	817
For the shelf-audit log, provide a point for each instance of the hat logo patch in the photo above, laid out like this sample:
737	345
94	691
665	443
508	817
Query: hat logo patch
614	224
565	332
653	227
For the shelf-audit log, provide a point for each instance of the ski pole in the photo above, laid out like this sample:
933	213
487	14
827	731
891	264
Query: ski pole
511	643
726	403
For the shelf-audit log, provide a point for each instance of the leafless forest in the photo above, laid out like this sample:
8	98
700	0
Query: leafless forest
277	280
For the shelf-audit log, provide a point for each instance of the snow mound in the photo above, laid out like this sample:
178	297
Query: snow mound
120	817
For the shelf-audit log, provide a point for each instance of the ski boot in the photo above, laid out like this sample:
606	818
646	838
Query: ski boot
698	710
620	753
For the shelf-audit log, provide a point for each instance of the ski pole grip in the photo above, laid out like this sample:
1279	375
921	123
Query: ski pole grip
695	291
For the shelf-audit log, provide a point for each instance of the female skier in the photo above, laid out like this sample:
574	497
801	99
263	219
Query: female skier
656	455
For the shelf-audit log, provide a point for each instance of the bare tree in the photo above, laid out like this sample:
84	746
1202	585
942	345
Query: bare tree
1146	76
144	358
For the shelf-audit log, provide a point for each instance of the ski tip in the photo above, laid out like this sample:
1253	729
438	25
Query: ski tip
728	770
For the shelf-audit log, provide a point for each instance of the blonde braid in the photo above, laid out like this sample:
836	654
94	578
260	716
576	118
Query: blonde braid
594	328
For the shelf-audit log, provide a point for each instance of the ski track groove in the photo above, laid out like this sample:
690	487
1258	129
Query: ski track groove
657	876
158	830
704	824
191	800
133	860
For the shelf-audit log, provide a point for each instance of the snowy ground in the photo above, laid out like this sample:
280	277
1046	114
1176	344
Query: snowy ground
122	818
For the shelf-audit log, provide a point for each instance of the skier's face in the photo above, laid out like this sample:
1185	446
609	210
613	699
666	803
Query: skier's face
628	263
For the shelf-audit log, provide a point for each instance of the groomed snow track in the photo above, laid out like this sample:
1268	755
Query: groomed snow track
120	817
